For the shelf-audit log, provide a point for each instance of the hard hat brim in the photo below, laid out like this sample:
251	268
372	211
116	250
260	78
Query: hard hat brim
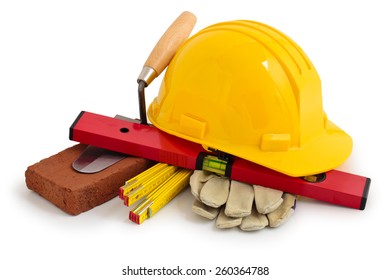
325	152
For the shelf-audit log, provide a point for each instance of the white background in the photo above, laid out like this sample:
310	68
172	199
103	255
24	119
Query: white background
60	57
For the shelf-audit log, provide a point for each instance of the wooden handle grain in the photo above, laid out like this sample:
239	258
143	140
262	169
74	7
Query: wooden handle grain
170	41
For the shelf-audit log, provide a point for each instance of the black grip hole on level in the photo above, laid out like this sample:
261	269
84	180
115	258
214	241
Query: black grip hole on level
124	130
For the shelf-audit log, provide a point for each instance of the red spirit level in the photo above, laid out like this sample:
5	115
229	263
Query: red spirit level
148	142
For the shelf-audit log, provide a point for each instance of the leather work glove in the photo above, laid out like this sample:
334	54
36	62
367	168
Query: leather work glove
236	204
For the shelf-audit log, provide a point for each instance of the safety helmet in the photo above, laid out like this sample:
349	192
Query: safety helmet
246	89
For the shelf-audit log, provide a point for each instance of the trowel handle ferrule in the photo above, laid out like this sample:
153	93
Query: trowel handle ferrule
148	74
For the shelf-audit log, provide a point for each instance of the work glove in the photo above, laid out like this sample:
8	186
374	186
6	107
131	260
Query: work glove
236	204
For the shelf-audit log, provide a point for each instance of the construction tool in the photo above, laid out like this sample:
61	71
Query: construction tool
149	185
335	187
95	159
162	54
137	181
163	194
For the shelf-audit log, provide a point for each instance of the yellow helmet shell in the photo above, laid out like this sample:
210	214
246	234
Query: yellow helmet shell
246	89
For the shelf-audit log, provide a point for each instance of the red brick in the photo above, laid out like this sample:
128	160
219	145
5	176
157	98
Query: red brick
54	179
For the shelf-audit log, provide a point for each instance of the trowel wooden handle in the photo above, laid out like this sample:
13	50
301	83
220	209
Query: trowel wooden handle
169	43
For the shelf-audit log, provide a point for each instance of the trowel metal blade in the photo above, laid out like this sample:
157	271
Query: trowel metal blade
94	159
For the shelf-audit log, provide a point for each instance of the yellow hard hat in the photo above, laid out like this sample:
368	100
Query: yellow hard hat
246	89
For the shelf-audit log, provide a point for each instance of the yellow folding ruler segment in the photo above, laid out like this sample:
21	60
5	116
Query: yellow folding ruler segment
161	196
171	192
136	181
150	184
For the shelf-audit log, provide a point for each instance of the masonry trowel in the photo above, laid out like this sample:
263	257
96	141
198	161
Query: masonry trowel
94	159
